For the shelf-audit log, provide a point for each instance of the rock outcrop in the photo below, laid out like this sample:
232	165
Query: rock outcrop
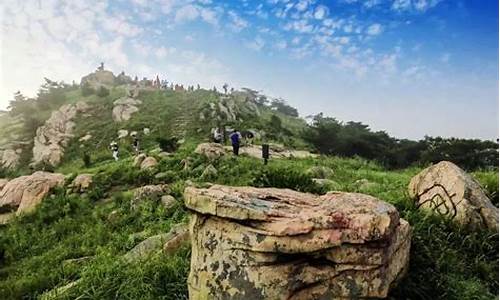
54	135
3	182
100	78
267	243
210	150
148	163
124	108
449	191
24	193
81	183
139	159
168	241
149	192
9	158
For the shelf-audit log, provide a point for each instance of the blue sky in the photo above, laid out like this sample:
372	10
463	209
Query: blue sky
409	67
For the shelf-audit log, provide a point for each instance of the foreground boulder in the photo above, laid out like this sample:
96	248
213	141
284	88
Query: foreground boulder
267	243
22	194
210	150
449	191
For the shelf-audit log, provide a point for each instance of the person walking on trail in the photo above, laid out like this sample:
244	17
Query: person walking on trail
235	141
135	143
114	148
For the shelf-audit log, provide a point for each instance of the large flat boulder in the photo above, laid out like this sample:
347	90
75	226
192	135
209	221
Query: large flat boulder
447	190
23	194
267	243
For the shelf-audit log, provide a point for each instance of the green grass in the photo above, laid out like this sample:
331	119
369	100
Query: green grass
447	262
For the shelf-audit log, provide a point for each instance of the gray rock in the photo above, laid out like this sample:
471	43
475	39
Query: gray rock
168	201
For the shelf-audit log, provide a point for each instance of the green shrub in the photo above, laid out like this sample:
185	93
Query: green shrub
102	92
286	177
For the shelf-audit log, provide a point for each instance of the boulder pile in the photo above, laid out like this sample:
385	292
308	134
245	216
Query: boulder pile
447	190
268	243
54	135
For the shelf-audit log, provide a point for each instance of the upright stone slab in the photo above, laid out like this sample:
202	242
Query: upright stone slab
447	190
267	243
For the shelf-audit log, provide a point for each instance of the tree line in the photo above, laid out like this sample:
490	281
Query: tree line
332	137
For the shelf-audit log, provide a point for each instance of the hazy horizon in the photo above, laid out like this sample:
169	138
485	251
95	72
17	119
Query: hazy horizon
411	68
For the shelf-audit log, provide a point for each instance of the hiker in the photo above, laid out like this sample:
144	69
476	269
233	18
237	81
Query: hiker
217	136
235	141
248	136
113	146
135	143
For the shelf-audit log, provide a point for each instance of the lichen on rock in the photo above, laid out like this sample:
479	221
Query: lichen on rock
268	243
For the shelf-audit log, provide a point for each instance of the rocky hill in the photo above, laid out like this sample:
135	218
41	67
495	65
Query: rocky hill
104	107
184	218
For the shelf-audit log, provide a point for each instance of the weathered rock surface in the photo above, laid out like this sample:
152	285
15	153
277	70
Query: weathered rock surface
149	192
54	135
210	150
168	201
122	133
178	235
148	163
449	191
267	243
3	182
22	194
9	158
171	241
139	159
81	183
100	78
124	108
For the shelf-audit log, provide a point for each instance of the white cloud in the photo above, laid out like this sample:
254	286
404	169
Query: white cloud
281	45
418	5
321	12
162	52
401	5
374	29
187	13
257	44
371	3
301	26
302	5
237	22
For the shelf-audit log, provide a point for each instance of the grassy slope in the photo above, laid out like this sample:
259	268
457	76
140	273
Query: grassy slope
446	262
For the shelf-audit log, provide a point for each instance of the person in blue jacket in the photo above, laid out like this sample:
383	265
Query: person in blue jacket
235	141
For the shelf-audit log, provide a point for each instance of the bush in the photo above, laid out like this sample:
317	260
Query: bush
102	92
286	177
87	90
168	144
